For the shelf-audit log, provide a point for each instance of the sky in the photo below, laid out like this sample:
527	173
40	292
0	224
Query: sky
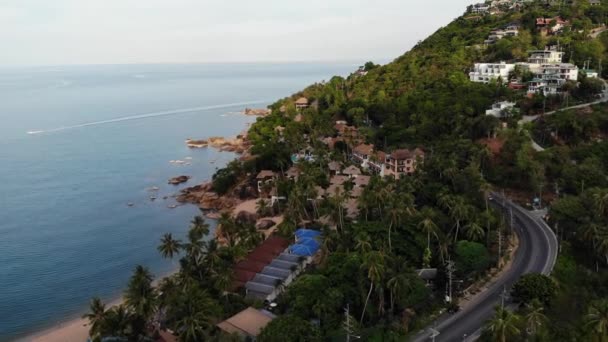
63	32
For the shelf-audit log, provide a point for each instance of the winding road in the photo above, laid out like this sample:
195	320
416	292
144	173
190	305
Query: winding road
537	253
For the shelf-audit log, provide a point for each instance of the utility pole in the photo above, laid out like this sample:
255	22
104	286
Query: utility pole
451	268
348	325
499	245
434	332
503	296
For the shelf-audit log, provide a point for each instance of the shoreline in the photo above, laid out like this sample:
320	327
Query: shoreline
76	329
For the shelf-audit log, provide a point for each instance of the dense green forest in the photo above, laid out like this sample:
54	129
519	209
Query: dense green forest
440	213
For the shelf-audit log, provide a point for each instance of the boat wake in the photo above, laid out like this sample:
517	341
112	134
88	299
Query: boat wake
148	115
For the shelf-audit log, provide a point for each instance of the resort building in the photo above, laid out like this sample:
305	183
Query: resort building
485	72
402	162
501	109
377	163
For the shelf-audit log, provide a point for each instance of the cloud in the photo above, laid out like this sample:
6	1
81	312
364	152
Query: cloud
164	31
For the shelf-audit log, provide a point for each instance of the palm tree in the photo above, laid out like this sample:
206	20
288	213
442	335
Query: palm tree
396	285
140	296
474	231
459	211
503	324
363	243
602	244
600	200
119	322
199	226
373	262
428	226
535	318
96	317
169	246
597	320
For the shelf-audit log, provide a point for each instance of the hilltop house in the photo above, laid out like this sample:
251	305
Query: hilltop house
485	72
302	103
480	8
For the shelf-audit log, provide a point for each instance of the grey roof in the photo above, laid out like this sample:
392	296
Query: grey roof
427	273
276	272
259	287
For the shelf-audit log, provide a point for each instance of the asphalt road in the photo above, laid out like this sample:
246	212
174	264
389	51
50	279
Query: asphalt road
537	253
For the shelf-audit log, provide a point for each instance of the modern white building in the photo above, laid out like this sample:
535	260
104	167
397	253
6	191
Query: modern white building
545	56
591	73
485	72
564	71
480	8
501	109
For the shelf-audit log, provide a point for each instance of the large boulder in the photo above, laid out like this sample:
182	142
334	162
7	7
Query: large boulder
265	224
245	217
179	180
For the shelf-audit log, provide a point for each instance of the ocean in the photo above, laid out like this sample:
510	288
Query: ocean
79	143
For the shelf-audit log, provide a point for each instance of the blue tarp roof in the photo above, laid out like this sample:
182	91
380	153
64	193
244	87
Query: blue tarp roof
307	233
303	250
313	243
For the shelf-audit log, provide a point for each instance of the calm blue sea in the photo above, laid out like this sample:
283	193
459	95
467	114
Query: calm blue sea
99	137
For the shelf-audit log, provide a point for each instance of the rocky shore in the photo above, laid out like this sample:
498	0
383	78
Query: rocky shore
238	144
257	112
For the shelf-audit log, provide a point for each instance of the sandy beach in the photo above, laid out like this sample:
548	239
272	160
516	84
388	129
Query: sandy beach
76	329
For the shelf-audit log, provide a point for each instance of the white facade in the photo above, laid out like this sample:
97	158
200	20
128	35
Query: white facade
545	56
496	35
564	71
480	8
485	72
499	108
591	73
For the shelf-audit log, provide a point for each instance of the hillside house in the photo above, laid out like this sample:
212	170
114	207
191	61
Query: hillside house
546	56
480	8
551	25
302	103
485	72
511	30
501	109
361	154
402	162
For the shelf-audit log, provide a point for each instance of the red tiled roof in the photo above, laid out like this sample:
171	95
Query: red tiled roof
364	149
406	154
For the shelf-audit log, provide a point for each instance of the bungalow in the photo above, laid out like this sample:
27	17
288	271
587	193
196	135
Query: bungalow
403	162
334	168
247	323
265	177
362	181
501	109
595	2
590	73
352	171
362	153
302	103
338	179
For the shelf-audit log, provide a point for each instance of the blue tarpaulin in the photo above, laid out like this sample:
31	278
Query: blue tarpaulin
303	250
306	233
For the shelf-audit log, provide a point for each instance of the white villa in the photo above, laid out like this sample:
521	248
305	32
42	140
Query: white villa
545	56
500	109
485	72
511	30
